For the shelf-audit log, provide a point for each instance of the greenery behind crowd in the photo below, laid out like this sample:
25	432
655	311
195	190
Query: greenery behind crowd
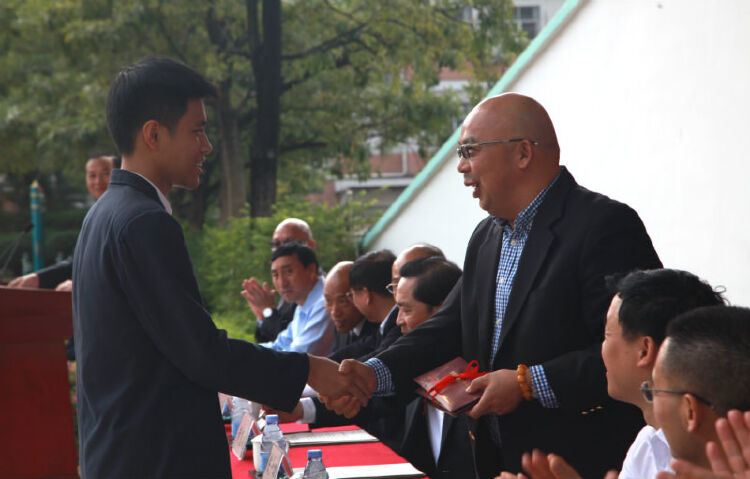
223	256
307	90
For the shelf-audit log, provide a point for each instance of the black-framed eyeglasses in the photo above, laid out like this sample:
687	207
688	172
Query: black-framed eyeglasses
648	394
464	151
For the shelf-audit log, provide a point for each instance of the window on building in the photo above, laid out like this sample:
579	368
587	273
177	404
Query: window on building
529	19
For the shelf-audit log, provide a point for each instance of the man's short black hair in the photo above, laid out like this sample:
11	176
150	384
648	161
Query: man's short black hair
304	253
652	298
435	278
372	271
154	88
707	354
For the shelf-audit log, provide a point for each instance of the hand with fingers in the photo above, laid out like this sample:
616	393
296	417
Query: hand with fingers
500	391
349	406
258	297
547	466
333	382
30	280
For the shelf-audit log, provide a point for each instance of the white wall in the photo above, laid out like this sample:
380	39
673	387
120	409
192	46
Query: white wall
650	101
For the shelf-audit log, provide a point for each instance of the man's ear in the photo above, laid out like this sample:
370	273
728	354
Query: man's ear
694	413
525	154
647	350
150	133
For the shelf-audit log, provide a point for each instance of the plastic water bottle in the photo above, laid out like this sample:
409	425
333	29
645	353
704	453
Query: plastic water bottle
239	406
315	468
271	435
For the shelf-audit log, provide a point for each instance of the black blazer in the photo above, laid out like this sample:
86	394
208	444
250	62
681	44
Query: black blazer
150	360
555	317
351	344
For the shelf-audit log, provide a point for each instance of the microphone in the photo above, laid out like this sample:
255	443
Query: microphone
12	247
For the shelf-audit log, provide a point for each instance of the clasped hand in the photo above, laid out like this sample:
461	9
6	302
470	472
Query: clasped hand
359	385
343	388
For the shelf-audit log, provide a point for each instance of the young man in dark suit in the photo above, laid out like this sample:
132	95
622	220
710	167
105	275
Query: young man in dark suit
532	301
150	360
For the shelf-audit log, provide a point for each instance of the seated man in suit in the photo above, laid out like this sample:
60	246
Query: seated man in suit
436	443
294	269
352	326
274	318
150	359
643	305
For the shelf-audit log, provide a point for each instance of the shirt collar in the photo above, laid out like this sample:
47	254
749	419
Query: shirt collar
163	199
526	217
312	297
358	328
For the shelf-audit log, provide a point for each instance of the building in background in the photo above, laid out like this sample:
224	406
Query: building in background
650	102
395	170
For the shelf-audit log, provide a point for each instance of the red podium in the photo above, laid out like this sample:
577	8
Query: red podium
37	439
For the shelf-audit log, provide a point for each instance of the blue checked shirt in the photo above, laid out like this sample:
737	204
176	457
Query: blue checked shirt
514	240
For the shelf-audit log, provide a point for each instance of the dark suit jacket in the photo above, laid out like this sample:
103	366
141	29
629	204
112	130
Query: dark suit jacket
51	276
280	318
350	343
150	360
555	317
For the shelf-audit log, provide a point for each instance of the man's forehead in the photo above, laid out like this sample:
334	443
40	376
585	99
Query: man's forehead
281	261
335	286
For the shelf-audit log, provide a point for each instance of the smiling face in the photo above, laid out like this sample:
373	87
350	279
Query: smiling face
97	175
490	169
620	356
411	312
182	151
292	280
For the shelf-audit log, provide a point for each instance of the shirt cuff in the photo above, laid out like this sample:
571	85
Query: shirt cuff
384	382
544	392
309	414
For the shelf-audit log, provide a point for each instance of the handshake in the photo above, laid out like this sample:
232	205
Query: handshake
343	388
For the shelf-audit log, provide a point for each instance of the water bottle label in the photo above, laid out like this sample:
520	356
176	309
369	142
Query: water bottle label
273	462
239	444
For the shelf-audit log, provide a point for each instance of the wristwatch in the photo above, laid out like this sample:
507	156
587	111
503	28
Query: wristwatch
267	313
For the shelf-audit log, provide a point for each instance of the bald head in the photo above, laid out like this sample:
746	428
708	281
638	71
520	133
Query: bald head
512	115
344	314
507	175
419	250
292	229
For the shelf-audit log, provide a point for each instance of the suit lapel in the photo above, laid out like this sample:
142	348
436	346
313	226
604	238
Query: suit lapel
485	280
535	251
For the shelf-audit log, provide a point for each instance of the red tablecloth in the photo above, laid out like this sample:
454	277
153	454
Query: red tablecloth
358	454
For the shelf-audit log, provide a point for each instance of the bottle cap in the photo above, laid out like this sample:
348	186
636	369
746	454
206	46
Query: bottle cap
272	419
314	454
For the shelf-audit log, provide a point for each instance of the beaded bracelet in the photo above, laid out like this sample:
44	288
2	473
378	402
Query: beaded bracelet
522	372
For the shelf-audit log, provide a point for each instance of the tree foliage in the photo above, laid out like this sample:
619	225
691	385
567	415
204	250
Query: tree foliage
306	87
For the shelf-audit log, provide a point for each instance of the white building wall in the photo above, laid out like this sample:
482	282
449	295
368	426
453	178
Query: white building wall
650	102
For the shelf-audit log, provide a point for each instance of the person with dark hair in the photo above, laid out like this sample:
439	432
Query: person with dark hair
352	327
150	359
424	284
432	441
294	271
531	302
701	372
644	303
368	279
274	318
